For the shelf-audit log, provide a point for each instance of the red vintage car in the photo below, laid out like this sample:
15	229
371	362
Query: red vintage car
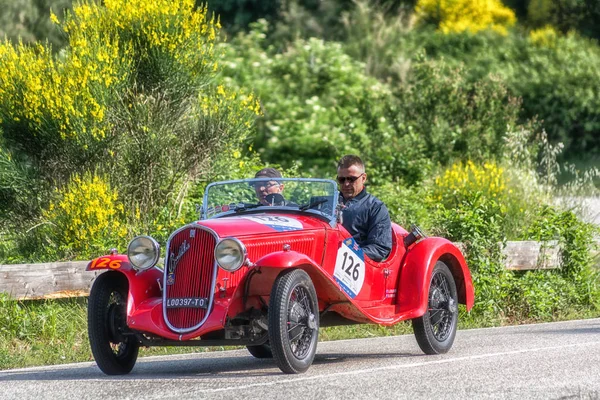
268	277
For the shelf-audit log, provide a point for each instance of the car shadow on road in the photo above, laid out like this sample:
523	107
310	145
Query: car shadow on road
192	368
329	358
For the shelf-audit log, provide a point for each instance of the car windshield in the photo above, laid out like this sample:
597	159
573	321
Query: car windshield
317	196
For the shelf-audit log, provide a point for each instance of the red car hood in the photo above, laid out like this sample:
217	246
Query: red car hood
260	224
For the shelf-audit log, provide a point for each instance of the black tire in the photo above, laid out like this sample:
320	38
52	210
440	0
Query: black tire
436	329
114	352
293	303
261	351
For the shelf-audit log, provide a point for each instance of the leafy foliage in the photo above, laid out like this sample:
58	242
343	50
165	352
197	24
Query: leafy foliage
134	95
554	75
318	105
317	102
566	15
28	21
455	118
574	236
236	15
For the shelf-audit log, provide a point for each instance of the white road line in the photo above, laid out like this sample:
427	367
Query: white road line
391	367
225	353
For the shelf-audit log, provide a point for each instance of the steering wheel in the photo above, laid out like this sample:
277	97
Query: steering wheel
275	199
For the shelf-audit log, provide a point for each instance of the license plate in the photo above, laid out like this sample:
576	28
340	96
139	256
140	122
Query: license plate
187	302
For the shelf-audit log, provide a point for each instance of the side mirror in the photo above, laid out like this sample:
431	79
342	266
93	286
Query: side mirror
339	214
414	236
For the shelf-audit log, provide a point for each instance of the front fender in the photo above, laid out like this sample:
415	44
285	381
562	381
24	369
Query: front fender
142	285
272	264
285	259
416	269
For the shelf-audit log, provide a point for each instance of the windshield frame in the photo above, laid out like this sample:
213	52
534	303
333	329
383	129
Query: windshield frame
331	218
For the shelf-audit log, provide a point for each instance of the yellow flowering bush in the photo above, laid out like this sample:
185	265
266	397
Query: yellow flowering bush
466	15
226	102
464	181
67	98
86	217
58	99
134	94
544	37
165	35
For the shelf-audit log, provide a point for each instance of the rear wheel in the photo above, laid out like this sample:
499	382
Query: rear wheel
436	329
114	352
293	321
261	351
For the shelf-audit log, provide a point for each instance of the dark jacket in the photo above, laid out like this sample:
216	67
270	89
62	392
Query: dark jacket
368	221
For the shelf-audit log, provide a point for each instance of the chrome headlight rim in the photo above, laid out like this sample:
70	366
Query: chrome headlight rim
154	245
240	247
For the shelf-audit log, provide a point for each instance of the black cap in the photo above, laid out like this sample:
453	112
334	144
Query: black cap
268	173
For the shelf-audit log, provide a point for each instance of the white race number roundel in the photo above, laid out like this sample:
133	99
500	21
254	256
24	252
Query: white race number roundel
349	270
279	223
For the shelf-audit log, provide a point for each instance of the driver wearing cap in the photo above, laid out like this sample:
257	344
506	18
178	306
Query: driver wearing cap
269	190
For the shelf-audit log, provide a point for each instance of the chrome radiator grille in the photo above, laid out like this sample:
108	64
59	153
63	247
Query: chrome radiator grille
190	273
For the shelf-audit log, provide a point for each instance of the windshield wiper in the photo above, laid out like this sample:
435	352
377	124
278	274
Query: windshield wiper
313	204
244	207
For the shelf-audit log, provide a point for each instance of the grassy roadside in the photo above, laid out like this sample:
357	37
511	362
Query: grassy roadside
55	331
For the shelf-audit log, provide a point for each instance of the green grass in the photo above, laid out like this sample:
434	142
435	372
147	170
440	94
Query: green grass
55	331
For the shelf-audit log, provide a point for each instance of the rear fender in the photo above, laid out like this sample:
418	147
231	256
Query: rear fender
142	285
413	287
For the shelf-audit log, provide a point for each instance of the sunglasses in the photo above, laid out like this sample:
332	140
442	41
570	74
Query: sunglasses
266	185
351	179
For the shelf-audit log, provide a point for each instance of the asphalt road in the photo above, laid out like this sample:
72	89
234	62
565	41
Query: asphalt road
546	361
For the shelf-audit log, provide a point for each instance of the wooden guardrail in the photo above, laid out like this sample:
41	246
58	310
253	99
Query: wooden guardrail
51	280
70	279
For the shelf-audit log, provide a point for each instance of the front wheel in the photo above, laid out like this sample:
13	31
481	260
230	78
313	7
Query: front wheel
115	352
436	329
293	321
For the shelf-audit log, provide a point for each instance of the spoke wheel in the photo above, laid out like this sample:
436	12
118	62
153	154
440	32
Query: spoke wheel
293	321
436	329
114	351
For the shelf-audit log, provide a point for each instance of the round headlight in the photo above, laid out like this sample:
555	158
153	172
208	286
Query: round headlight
143	252
230	254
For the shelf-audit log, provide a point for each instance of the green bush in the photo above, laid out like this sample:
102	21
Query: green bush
452	117
558	80
566	15
574	236
406	205
576	284
18	188
380	39
317	102
28	21
483	206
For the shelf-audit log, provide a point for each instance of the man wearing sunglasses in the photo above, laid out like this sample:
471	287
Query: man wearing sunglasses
269	190
366	218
